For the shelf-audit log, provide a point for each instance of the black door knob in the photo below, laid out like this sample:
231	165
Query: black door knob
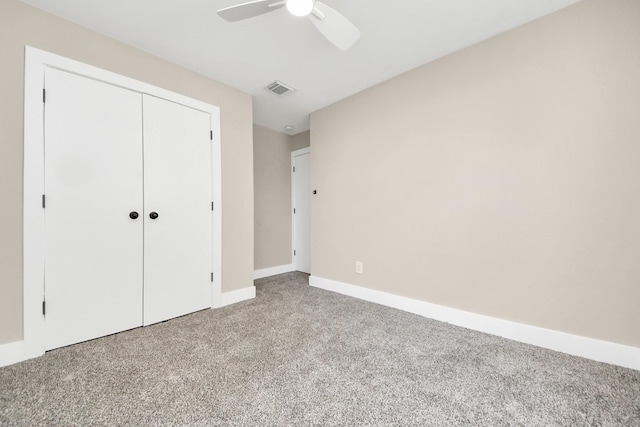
153	215
133	215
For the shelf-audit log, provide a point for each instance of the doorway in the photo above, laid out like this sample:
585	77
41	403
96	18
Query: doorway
301	202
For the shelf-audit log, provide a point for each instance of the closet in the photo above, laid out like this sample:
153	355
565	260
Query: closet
128	208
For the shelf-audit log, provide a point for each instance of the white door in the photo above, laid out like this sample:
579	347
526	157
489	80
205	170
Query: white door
177	210
93	182
302	211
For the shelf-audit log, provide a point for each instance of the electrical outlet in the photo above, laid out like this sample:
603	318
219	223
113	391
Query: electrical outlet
359	267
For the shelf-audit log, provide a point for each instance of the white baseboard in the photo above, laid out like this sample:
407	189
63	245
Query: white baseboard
272	271
239	295
601	351
11	353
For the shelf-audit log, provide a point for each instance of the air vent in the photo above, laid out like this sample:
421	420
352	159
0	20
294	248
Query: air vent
280	88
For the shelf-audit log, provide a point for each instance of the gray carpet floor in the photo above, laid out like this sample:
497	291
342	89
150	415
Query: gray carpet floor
297	355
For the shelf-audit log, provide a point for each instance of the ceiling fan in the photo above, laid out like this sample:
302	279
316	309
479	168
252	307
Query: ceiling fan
335	27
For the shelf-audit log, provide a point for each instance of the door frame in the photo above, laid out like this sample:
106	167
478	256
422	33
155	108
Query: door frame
294	154
36	62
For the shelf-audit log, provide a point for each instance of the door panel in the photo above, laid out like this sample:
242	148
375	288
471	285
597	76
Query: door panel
93	180
177	186
302	217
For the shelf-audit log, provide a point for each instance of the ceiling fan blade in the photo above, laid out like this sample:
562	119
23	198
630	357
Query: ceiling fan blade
249	9
335	27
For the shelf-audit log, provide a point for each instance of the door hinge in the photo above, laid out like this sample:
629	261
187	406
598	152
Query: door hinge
294	210
43	202
294	168
211	205
44	95
212	277
294	252
211	135
44	307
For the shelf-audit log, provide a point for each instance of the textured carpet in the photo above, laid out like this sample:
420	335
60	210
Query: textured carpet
297	355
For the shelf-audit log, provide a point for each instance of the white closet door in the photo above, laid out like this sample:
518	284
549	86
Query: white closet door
177	187
93	181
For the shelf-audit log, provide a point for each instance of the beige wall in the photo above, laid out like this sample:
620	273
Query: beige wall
300	140
272	197
502	180
22	25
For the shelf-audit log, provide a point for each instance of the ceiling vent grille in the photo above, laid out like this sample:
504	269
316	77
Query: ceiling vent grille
280	88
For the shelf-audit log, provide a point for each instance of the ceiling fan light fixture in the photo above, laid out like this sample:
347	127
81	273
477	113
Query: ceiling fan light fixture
300	7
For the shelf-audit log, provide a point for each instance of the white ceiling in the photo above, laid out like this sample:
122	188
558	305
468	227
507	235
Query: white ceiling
396	37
